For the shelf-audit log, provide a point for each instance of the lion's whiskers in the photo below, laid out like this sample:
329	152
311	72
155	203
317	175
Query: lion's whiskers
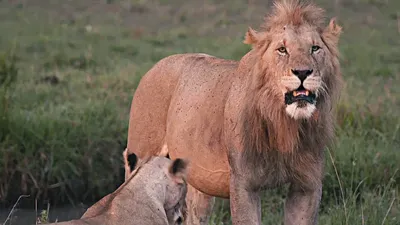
322	90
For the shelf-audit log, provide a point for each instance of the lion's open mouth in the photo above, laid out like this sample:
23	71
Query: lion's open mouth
300	94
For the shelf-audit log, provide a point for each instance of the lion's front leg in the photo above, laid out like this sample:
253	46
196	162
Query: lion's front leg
245	204
301	207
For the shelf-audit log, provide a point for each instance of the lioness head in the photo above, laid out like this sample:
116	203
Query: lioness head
176	192
298	56
175	184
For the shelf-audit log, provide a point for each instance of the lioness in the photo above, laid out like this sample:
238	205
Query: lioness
154	194
250	125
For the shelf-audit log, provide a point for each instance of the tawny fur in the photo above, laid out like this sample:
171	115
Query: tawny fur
230	121
150	195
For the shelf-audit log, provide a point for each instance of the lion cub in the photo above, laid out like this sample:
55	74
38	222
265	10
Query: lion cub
153	194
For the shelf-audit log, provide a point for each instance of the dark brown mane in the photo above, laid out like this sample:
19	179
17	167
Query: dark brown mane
265	124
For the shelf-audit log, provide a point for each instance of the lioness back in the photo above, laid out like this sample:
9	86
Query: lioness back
186	90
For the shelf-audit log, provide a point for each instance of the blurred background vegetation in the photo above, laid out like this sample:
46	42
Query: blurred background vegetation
68	70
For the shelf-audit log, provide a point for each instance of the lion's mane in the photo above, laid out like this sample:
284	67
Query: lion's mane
264	123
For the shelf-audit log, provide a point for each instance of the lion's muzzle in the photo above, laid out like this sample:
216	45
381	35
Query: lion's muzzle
302	88
301	94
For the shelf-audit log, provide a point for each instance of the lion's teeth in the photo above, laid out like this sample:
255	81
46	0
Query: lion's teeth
307	93
295	93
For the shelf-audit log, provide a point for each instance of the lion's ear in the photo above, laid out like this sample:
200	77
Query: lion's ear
252	37
130	161
333	31
178	169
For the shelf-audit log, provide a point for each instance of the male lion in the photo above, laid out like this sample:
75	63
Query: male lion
249	125
153	194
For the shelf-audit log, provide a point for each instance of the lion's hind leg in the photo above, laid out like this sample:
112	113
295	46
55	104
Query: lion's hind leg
199	207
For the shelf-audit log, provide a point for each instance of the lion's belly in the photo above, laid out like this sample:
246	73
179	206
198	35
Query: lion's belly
207	174
197	137
195	128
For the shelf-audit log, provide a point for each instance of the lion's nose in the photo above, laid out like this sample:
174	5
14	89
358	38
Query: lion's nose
302	74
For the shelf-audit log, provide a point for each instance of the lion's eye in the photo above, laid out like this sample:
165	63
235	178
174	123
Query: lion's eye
315	48
282	50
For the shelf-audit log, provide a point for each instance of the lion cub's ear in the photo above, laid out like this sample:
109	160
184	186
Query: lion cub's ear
252	37
178	169
333	31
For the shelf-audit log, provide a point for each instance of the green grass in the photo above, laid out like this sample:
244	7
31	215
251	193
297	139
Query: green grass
65	118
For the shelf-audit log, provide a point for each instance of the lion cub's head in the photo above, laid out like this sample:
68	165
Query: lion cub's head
298	57
174	180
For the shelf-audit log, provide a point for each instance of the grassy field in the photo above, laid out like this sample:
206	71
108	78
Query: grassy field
64	121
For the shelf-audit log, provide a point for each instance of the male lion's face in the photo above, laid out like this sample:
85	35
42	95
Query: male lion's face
298	56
